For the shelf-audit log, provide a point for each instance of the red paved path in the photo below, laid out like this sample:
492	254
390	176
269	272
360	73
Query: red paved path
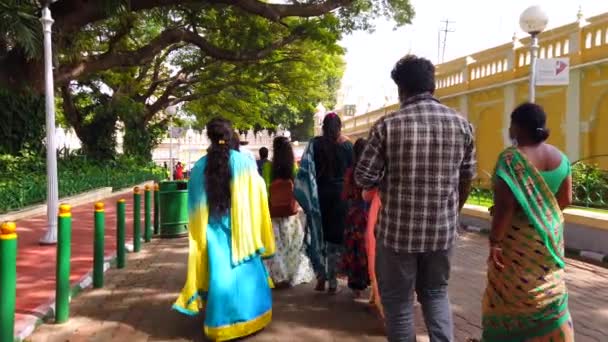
36	263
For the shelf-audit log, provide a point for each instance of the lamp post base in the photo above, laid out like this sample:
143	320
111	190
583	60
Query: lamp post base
49	238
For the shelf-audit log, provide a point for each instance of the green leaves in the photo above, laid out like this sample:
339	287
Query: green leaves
20	27
23	119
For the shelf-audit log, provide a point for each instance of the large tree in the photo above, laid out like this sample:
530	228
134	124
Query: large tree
20	63
119	60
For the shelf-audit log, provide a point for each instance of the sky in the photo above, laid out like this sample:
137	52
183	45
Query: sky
477	25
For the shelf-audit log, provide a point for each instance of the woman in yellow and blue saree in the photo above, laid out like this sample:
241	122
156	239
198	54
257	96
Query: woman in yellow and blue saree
230	232
526	299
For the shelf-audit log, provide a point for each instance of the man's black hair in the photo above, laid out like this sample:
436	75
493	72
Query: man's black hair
414	75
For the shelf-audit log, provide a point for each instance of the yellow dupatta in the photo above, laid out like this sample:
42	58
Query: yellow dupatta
251	227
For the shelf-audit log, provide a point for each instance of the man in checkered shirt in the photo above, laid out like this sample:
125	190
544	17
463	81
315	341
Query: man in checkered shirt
422	157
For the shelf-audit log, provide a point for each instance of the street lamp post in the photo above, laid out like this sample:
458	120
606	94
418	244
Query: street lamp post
189	153
52	194
171	110
533	21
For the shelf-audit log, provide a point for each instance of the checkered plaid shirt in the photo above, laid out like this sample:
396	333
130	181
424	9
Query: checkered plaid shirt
418	156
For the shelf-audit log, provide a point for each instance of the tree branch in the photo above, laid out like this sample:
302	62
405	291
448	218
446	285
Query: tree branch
71	15
123	31
146	53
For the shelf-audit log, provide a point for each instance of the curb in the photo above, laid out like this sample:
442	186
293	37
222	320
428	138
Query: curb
40	209
588	256
46	311
90	196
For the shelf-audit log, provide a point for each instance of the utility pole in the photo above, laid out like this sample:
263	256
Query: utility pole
441	46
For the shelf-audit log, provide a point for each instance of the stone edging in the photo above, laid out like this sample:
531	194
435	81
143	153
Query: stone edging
581	254
83	198
40	209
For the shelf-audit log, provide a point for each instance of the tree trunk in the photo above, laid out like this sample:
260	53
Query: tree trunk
142	137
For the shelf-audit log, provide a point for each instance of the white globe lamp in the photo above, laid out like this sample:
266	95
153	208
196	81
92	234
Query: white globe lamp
533	20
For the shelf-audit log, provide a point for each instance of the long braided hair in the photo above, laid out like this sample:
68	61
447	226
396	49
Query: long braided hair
217	172
328	145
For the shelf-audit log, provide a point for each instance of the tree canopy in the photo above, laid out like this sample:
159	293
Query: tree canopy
258	63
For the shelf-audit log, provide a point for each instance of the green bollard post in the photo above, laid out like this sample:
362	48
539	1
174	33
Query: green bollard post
156	209
120	233
147	214
8	280
99	245
136	220
62	277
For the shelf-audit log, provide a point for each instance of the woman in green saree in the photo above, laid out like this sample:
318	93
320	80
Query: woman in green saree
526	297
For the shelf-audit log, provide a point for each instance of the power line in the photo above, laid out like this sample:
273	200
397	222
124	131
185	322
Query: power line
442	45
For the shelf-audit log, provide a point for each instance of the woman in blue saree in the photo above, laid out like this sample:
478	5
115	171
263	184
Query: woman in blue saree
230	231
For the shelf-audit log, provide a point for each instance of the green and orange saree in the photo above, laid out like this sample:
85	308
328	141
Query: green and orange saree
527	300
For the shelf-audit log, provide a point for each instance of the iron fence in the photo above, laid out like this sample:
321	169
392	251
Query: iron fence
19	192
589	185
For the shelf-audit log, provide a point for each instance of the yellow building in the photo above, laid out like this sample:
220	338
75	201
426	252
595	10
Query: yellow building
486	86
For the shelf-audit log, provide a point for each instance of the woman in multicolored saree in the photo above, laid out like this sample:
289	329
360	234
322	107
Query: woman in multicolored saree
526	297
230	232
290	266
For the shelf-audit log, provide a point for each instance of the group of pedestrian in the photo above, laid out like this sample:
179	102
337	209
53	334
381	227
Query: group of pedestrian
383	212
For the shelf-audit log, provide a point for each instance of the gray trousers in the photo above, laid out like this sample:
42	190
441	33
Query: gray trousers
399	274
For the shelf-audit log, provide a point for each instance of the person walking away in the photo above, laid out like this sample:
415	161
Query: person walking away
167	172
236	144
263	159
289	266
373	196
354	258
230	231
422	158
526	297
179	171
319	186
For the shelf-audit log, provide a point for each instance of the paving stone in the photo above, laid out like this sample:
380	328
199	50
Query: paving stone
135	304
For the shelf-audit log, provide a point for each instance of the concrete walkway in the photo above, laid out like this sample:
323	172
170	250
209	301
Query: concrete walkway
135	304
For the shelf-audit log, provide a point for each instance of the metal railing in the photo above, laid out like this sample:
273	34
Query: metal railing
589	186
28	190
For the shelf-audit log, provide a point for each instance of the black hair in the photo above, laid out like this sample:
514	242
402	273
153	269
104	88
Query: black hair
263	153
283	159
358	149
531	119
217	171
235	141
328	144
414	75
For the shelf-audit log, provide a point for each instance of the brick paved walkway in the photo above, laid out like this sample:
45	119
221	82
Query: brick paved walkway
36	263
134	306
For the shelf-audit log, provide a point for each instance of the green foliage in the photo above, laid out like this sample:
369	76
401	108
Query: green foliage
98	132
304	130
271	90
23	120
360	14
589	188
20	27
23	179
590	185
